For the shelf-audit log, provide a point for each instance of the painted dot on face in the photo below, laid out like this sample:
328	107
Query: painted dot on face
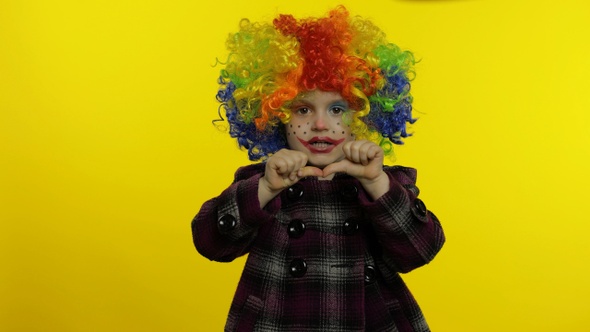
333	132
305	132
294	133
299	126
290	126
343	131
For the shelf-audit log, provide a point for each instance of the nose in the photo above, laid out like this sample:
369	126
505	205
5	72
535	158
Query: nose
319	122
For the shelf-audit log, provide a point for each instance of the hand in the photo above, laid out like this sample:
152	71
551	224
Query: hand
283	169
363	160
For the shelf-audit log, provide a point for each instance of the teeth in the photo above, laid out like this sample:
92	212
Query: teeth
321	144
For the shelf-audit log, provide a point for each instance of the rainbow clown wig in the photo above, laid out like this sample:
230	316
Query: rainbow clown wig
270	64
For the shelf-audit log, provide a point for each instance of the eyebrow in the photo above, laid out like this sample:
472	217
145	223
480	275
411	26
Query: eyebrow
342	102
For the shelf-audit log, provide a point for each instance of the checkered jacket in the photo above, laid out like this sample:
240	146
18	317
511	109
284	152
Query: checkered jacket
322	256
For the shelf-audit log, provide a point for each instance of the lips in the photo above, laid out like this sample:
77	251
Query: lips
321	144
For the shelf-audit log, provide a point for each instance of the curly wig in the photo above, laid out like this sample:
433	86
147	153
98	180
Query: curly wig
270	64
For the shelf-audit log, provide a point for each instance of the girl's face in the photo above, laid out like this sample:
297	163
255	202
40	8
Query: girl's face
317	127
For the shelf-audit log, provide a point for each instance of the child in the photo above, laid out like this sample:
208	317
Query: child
328	228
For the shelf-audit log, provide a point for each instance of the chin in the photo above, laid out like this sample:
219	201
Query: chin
321	161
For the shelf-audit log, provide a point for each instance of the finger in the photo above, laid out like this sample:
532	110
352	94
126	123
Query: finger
364	154
346	149
291	165
281	166
340	166
354	152
295	160
309	171
375	152
286	183
371	151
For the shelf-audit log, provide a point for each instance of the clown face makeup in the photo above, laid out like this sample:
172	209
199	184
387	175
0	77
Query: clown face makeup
318	127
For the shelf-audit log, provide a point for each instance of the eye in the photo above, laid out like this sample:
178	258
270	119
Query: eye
303	110
337	110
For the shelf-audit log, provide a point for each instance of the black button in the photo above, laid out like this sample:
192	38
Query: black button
349	193
226	223
296	229
413	189
420	207
370	274
295	192
298	267
350	226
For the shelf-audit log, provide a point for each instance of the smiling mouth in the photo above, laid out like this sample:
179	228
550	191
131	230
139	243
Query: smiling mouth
321	144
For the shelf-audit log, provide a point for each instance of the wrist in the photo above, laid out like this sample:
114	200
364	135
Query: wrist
378	186
265	193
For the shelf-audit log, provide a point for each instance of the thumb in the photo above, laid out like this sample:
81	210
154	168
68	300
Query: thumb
309	171
340	166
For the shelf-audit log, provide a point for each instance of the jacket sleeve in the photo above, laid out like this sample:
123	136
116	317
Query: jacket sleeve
408	235
226	225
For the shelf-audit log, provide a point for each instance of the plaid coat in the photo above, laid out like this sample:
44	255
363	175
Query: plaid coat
322	255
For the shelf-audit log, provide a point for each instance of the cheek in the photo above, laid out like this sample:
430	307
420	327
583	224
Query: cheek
298	129
342	130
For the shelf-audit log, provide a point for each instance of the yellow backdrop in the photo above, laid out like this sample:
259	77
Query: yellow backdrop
107	152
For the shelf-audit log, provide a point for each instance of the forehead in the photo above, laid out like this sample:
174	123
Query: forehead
319	96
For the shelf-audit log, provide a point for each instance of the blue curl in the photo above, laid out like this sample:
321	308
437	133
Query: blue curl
391	108
260	145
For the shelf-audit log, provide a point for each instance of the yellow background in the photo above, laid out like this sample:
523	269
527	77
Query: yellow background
107	152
